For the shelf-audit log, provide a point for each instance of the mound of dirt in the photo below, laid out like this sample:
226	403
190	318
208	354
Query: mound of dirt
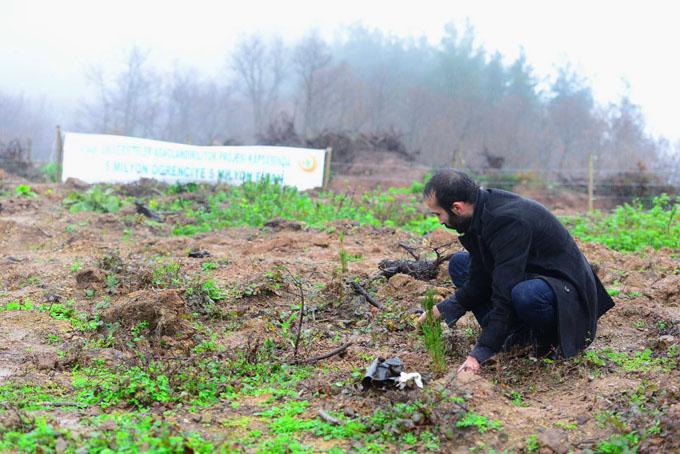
162	310
90	278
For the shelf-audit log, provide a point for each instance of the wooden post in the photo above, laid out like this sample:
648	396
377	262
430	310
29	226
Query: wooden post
29	150
590	182
60	155
327	167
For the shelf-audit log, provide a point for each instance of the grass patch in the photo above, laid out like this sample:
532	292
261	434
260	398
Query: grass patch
640	361
482	423
119	432
58	311
254	203
201	380
631	227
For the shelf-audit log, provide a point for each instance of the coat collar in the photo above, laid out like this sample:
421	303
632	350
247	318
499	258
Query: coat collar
476	224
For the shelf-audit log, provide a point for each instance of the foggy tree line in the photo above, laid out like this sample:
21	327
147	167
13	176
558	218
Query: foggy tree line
451	102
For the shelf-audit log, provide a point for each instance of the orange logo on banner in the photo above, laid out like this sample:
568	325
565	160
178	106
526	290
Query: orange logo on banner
309	164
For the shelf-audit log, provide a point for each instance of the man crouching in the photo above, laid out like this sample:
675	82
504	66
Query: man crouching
523	276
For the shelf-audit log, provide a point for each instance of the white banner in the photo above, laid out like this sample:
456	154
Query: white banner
97	158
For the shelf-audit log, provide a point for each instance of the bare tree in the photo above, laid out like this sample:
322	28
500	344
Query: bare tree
180	101
129	105
310	58
260	69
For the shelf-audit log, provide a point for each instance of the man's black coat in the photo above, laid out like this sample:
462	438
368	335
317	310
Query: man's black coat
512	239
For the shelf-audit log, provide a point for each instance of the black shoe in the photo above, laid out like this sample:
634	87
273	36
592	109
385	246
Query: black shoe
545	348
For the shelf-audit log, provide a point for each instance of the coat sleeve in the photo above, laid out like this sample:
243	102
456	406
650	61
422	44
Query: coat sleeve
475	290
510	240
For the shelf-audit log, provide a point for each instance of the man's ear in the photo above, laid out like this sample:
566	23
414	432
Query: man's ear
458	208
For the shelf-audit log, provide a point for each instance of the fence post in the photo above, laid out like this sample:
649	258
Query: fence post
60	155
590	182
29	150
327	167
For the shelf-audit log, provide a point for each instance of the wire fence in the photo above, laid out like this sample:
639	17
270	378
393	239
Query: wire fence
581	188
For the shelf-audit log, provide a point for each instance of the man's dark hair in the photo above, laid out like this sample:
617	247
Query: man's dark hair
450	186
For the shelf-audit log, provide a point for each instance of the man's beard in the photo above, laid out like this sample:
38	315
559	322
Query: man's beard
459	223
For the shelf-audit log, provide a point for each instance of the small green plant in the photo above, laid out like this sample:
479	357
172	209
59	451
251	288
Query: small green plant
640	324
51	172
53	339
76	265
206	266
95	199
343	254
482	423
24	190
532	443
167	274
213	291
619	444
138	329
432	335
111	283
517	399
286	326
566	425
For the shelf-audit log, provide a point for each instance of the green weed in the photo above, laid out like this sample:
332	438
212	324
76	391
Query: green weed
51	171
206	266
167	274
95	199
532	443
76	266
619	444
200	381
254	203
482	423
640	361
631	227
24	190
118	432
29	397
59	311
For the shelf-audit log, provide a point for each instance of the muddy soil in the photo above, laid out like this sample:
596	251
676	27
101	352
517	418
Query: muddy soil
44	251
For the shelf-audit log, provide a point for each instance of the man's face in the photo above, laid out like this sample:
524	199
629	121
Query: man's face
448	218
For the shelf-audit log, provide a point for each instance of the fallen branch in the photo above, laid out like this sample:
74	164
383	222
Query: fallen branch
424	270
315	359
362	291
410	250
63	404
328	418
141	209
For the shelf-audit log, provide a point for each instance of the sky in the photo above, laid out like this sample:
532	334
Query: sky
621	47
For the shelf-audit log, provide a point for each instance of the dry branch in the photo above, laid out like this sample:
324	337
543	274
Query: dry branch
334	352
328	418
362	291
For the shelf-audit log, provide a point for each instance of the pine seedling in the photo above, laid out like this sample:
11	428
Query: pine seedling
432	335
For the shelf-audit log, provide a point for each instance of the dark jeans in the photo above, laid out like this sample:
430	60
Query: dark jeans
532	300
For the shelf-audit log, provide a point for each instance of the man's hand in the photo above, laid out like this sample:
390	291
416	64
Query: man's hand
435	314
470	365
